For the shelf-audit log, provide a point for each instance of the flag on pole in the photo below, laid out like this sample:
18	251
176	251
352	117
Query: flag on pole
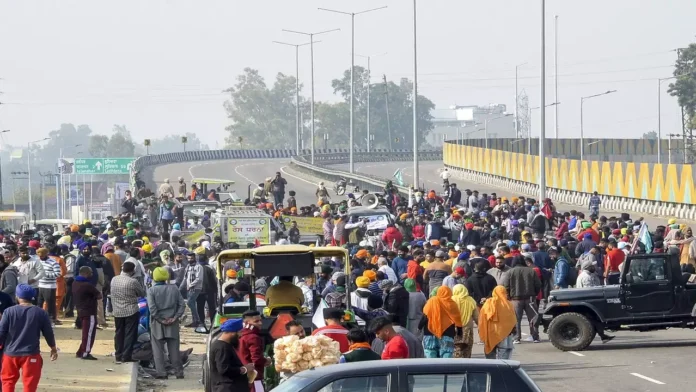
645	238
399	176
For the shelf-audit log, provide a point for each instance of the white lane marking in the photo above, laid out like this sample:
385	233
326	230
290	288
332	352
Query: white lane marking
282	169
524	334
236	170
576	353
647	378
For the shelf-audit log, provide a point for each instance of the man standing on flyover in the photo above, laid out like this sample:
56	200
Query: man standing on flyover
595	202
278	189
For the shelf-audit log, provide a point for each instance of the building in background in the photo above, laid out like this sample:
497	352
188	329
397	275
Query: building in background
468	122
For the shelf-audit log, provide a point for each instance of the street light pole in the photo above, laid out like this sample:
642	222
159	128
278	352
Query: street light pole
297	89
415	95
485	127
555	73
542	105
351	164
2	200
369	87
31	209
582	125
517	106
311	49
529	137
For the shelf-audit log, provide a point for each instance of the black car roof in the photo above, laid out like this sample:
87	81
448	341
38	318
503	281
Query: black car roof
420	364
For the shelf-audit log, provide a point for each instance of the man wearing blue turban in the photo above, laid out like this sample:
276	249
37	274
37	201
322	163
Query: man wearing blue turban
227	373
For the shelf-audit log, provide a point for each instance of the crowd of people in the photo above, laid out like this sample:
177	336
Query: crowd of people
447	262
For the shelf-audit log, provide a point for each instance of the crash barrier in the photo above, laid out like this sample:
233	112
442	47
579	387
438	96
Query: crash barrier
605	150
370	182
656	189
321	156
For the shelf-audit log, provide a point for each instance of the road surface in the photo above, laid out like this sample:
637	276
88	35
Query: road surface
633	362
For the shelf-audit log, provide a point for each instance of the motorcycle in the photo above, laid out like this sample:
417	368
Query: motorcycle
340	187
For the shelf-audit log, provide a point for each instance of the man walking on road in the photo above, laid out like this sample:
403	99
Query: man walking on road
86	297
278	189
193	283
125	292
48	283
21	328
166	307
523	285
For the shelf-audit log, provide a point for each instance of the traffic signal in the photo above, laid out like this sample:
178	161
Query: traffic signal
184	139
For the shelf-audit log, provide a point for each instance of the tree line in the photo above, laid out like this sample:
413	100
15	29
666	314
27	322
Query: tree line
264	116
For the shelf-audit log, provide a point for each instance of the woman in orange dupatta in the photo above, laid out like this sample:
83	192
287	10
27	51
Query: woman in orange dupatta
441	323
497	321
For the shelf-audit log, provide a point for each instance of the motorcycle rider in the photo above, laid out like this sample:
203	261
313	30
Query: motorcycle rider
445	175
323	194
259	195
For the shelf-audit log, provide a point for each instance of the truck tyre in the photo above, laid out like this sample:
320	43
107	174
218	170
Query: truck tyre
207	386
571	332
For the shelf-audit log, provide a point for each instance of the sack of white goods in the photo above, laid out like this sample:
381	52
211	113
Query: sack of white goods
293	354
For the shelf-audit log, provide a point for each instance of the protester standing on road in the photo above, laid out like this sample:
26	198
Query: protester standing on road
61	286
47	284
496	323
595	202
251	347
464	342
182	187
125	292
166	213
523	285
561	271
441	322
395	347
193	283
21	328
29	268
227	371
416	302
166	307
360	349
278	188
209	291
86	297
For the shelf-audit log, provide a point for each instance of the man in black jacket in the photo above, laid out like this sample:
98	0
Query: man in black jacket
480	285
227	373
129	203
395	301
523	285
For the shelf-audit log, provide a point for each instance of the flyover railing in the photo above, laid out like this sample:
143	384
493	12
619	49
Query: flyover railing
322	157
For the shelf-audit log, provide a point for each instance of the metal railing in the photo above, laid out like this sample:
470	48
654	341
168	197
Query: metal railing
321	159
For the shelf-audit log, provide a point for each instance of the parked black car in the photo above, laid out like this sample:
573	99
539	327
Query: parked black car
653	294
417	375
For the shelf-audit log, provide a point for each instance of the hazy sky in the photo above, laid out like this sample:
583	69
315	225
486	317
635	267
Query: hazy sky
159	66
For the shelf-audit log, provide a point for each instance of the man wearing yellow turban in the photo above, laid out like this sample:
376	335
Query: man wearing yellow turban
358	298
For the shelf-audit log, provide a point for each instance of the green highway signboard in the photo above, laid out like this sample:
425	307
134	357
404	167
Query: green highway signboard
100	165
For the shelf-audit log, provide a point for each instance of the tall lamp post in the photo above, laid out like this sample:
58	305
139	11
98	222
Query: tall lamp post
485	125
542	123
369	87
31	209
351	164
416	178
2	201
517	96
311	49
297	87
529	137
582	126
